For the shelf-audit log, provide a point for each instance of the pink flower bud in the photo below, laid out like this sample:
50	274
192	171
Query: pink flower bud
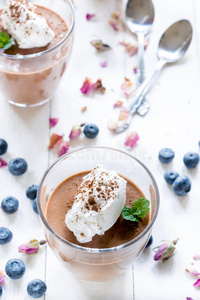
30	248
75	132
165	251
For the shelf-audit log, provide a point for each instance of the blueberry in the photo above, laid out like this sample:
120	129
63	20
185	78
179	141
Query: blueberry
149	242
1	291
31	192
35	206
3	146
5	235
17	166
182	185
36	288
9	205
170	176
166	155
91	131
191	159
15	268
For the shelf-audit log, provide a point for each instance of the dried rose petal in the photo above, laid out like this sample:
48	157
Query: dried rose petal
30	248
124	114
63	148
83	108
131	139
119	103
115	15
53	121
196	257
103	64
127	87
114	24
55	140
112	124
90	16
192	271
99	87
131	48
197	283
99	45
87	86
2	276
3	163
135	70
75	132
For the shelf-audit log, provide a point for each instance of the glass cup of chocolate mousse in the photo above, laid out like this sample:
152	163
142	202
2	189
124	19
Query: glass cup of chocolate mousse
31	67
84	202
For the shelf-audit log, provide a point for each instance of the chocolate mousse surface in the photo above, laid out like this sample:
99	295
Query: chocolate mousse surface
55	22
120	233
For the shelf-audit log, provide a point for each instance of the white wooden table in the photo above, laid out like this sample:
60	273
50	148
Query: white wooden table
173	121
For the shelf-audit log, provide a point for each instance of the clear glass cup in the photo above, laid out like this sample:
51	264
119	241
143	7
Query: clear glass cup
90	263
31	80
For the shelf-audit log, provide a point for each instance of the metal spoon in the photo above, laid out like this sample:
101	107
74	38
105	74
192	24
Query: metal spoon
172	46
139	19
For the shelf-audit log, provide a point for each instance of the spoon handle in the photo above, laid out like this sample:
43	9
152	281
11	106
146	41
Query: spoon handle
144	87
140	36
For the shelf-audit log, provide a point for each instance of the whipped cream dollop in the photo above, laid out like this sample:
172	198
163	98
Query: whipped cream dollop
98	204
25	24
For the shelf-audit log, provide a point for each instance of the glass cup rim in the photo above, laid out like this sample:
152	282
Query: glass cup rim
97	250
39	54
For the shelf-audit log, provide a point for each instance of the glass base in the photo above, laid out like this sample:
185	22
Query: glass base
29	105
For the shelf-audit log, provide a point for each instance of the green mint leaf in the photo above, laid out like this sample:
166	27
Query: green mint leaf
127	214
139	209
5	40
10	43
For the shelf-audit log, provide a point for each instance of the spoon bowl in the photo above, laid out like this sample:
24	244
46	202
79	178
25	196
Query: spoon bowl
139	15
175	41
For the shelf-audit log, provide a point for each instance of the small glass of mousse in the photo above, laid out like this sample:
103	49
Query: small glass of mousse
40	36
84	200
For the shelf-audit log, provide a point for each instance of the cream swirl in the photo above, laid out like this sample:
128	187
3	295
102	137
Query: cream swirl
26	25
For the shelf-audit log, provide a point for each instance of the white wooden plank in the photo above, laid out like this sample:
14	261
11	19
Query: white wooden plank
174	122
26	131
85	62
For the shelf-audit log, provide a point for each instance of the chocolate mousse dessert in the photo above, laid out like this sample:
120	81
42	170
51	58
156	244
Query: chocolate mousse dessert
87	208
31	69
